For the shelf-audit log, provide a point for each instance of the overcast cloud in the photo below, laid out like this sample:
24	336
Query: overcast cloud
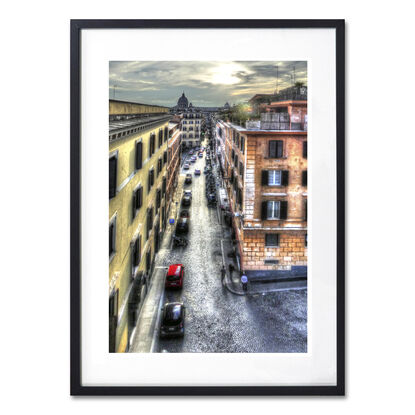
204	83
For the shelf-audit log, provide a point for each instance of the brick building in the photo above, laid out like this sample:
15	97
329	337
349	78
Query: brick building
265	170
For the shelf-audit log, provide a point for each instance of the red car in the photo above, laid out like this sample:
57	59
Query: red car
174	276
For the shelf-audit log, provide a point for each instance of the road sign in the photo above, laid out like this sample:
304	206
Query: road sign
171	221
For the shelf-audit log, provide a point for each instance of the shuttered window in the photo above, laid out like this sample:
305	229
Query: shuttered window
136	252
243	144
160	138
275	149
150	179
241	169
159	166
137	200
112	176
304	178
158	200
165	157
166	133
274	209
138	155
275	177
164	185
112	236
149	221
305	149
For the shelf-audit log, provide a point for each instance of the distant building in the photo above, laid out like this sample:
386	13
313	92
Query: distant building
138	145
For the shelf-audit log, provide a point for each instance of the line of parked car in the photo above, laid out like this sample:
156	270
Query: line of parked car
173	314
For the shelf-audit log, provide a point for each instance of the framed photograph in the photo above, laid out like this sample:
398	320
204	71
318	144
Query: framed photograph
207	159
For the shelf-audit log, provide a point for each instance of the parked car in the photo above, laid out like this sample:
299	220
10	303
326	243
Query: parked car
197	172
201	155
174	276
188	178
193	159
172	320
191	152
182	226
184	213
187	200
187	192
186	166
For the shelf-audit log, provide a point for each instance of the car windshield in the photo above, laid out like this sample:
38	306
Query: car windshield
172	314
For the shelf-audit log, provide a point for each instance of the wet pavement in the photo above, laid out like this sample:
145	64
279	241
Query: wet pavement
216	319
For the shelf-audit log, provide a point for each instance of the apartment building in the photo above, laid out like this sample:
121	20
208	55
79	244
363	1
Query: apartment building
265	169
138	154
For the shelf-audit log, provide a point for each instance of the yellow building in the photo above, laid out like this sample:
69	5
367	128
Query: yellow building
138	136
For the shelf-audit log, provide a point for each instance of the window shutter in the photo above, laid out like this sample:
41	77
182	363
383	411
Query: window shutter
134	203
139	155
305	149
284	178
264	206
264	177
283	209
279	149
112	176
304	178
164	185
272	149
149	182
140	197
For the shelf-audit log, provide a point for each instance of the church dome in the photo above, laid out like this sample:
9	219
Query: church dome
183	102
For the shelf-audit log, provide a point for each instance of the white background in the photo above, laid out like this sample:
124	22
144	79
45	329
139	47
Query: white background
35	206
318	366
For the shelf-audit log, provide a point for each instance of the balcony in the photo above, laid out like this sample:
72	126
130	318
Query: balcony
278	121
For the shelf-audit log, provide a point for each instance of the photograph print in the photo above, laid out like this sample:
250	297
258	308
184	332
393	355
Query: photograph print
208	207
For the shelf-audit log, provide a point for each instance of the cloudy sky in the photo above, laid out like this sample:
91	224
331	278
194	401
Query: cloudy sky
204	83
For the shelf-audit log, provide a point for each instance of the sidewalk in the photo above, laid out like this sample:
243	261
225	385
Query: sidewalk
142	339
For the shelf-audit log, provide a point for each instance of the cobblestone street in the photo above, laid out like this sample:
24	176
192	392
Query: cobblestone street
217	320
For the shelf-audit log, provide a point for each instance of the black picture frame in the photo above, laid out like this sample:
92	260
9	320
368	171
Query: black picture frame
77	26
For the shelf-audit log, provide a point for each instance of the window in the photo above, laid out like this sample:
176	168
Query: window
150	179
164	185
152	145
160	138
159	166
113	176
138	155
305	240
275	177
305	210
304	178
274	210
112	236
137	200
272	240
243	144
149	221
166	133
233	154
158	200
275	149
235	162
241	169
305	149
135	253
164	157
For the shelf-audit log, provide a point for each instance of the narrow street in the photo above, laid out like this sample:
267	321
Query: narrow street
217	320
